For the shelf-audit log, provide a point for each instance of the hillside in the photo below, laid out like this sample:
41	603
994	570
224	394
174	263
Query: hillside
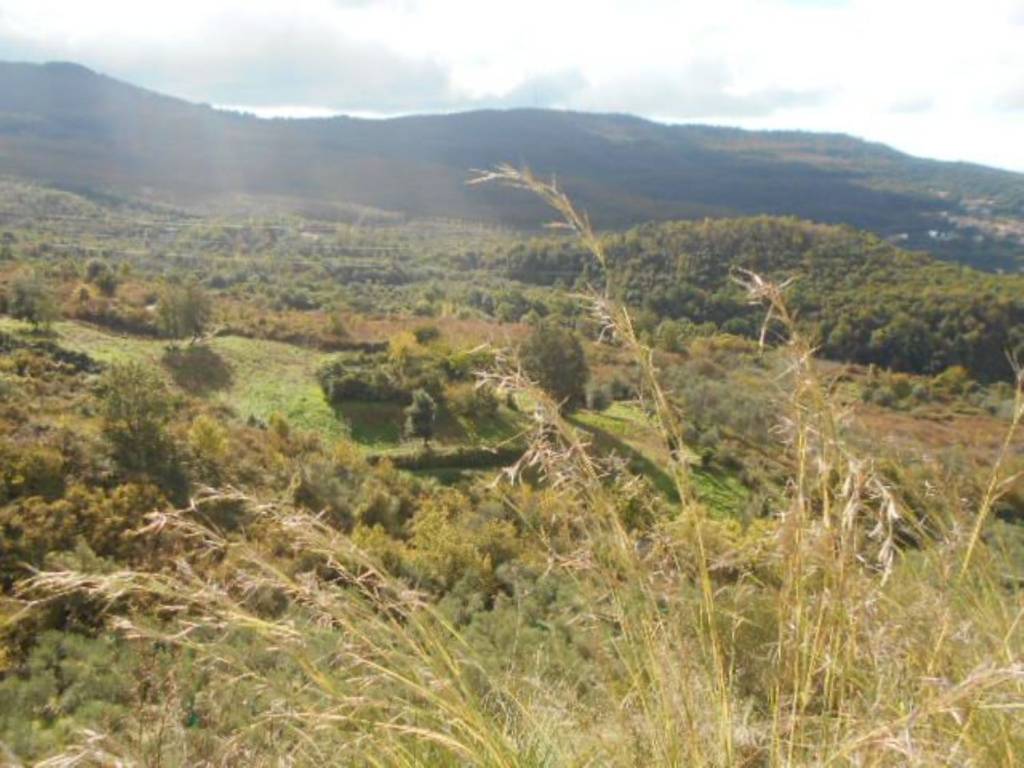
65	126
865	299
280	490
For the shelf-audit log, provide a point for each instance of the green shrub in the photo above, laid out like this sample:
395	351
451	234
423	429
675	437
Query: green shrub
30	471
472	401
554	358
426	333
420	416
598	397
360	377
136	406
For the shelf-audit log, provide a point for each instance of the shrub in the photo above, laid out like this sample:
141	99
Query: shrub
450	541
360	377
31	528
209	447
100	274
136	406
598	397
554	357
420	416
621	389
35	471
425	334
952	382
472	401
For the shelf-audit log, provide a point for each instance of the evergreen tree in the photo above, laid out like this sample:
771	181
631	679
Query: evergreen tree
420	416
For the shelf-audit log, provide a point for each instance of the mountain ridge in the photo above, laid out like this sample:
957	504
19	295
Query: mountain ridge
64	125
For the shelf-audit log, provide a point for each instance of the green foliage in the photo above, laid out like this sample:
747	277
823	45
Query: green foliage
554	358
209	447
472	401
392	378
868	301
426	333
360	377
184	311
136	407
34	527
420	416
32	300
102	275
452	542
30	471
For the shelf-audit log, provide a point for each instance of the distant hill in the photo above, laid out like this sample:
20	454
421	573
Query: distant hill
66	126
865	300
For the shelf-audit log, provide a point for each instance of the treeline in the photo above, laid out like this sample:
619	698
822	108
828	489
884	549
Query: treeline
865	300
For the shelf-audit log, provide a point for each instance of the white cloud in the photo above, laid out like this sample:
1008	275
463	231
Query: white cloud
930	78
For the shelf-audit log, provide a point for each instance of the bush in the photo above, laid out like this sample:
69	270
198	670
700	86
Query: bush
426	333
35	471
472	401
32	301
598	397
209	447
136	406
420	416
32	528
554	358
360	377
621	389
100	274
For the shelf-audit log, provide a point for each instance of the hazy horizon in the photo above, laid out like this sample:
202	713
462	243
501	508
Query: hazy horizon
935	81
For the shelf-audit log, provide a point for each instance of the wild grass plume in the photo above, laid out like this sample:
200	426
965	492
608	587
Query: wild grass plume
848	627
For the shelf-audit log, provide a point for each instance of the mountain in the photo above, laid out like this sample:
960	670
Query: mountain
66	126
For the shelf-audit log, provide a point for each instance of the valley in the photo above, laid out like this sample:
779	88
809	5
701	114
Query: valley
310	450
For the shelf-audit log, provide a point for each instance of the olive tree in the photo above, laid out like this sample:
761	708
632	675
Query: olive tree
31	300
184	311
553	357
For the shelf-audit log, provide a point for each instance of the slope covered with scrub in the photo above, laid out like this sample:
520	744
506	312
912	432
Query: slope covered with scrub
719	559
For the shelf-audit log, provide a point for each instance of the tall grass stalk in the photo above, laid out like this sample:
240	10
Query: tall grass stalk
817	637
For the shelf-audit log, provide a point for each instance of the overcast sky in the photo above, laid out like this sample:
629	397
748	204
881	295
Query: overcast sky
939	78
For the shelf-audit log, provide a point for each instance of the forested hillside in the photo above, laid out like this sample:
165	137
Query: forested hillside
863	299
65	125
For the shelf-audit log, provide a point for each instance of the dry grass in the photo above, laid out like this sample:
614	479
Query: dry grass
816	638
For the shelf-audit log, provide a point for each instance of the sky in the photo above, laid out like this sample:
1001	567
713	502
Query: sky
936	78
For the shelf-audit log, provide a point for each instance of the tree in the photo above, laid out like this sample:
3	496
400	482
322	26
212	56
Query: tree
31	300
554	358
184	311
135	407
420	415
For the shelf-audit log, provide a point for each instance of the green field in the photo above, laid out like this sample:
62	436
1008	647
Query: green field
257	378
627	431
